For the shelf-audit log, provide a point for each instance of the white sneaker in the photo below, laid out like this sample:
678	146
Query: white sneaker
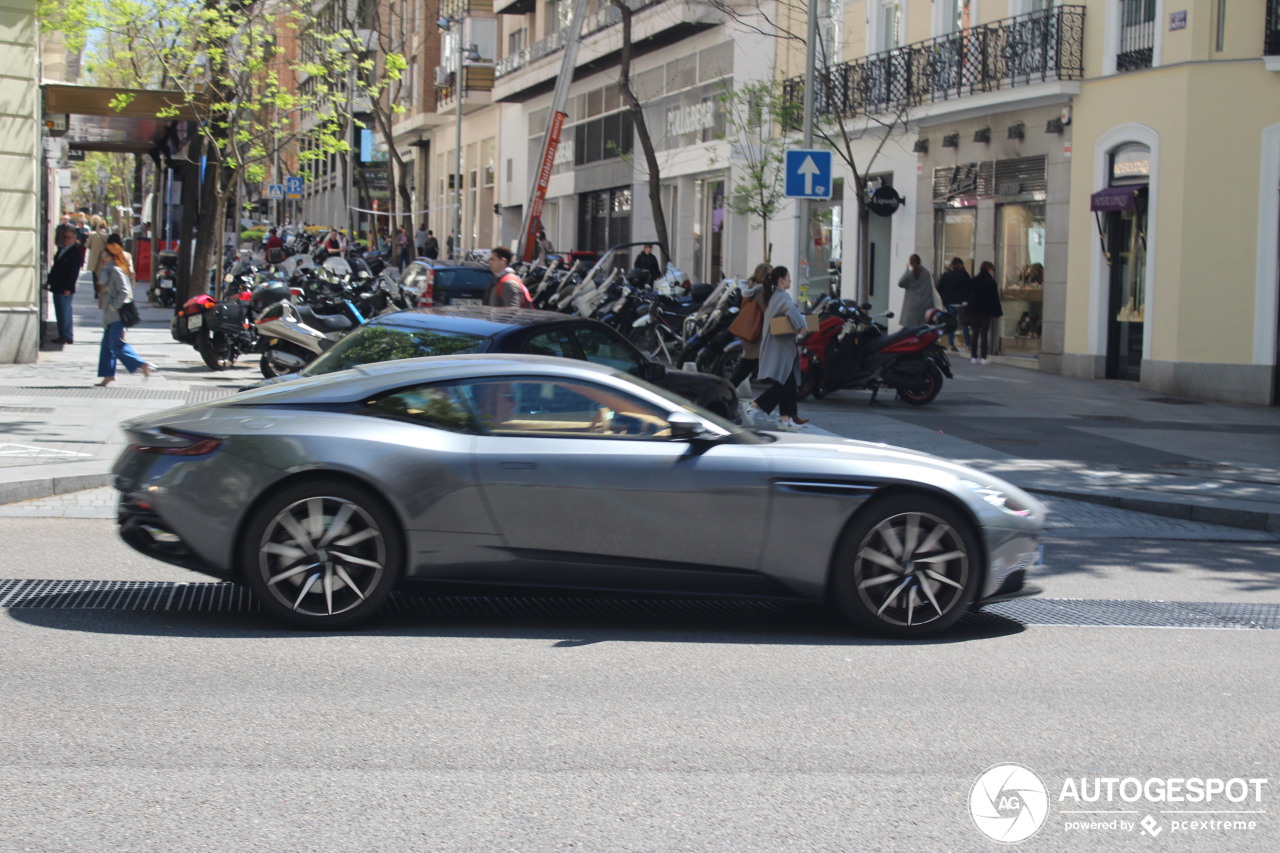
973	361
982	361
787	426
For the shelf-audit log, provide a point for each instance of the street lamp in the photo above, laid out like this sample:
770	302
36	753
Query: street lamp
446	23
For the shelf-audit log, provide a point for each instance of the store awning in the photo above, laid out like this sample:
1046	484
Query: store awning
94	124
1114	198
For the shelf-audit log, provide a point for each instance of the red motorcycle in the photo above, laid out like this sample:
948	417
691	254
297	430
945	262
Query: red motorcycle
851	350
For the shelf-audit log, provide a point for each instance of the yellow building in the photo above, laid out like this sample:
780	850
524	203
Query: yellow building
1117	160
20	174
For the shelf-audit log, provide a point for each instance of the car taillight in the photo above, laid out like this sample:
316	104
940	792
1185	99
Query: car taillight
167	442
428	296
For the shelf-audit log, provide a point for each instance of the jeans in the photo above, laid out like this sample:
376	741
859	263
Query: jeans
954	311
113	348
62	311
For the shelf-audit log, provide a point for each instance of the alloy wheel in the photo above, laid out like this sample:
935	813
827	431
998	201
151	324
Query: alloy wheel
322	556
911	569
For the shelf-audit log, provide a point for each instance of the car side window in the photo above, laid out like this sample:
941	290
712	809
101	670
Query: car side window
561	408
602	348
555	342
438	406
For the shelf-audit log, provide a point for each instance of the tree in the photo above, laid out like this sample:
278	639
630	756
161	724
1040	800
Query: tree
753	116
227	61
636	111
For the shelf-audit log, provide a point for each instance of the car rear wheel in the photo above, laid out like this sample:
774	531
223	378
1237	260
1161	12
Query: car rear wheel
909	566
322	554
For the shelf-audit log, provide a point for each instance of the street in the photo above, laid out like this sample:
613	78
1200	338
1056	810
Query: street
509	724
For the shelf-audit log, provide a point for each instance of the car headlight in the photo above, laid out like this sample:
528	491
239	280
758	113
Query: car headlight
999	498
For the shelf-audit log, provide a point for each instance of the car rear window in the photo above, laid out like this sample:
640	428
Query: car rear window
463	279
370	344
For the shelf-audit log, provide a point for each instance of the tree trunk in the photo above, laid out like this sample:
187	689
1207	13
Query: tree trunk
636	111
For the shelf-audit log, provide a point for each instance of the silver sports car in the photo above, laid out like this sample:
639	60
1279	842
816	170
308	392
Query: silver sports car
473	471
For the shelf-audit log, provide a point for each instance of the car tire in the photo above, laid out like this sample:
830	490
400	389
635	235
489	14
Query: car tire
907	566
288	559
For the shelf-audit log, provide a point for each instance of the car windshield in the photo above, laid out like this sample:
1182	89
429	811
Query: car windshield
370	344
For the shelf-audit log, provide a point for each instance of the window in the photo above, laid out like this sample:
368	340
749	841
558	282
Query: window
437	406
1137	34
556	342
371	343
602	348
560	408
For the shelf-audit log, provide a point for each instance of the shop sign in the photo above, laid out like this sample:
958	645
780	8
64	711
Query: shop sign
885	201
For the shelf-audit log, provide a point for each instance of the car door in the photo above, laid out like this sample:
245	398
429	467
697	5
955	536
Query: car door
581	473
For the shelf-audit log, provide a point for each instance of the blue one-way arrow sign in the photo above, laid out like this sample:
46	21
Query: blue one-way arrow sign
808	173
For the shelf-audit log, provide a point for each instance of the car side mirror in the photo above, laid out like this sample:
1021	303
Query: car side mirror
653	372
684	426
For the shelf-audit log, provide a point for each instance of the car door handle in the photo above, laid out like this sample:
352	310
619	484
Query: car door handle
517	466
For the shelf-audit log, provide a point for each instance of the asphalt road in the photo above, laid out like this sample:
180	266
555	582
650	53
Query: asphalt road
662	727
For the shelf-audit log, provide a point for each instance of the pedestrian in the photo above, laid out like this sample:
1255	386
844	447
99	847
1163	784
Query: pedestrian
749	363
647	261
431	249
63	273
383	245
333	244
509	290
779	357
274	247
984	306
404	243
917	281
420	240
544	248
94	248
953	288
117	290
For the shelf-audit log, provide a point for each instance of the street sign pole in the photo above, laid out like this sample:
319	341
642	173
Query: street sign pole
803	241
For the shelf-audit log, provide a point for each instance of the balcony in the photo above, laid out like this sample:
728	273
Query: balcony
1271	41
465	8
1021	51
477	88
531	70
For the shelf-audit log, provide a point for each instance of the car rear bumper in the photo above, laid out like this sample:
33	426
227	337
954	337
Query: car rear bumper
146	532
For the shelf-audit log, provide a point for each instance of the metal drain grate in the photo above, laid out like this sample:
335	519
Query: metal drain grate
205	395
31	410
232	598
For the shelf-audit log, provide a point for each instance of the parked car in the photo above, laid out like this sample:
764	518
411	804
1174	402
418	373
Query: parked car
445	331
446	282
471	471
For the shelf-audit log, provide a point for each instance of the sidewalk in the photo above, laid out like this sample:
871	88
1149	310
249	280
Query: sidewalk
1100	441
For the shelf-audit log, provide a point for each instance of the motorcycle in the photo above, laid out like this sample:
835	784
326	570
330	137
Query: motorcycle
851	350
163	292
220	331
293	335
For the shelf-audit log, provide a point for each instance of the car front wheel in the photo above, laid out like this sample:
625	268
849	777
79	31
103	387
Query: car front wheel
322	554
909	566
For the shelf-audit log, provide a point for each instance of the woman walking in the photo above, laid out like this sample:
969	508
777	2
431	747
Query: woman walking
117	268
984	306
749	363
779	358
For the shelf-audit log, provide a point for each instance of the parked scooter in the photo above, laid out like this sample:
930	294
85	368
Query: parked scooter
293	335
850	350
163	292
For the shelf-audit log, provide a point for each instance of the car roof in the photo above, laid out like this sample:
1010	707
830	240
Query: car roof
356	384
473	319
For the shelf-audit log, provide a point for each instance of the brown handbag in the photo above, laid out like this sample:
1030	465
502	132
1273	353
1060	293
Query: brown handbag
749	323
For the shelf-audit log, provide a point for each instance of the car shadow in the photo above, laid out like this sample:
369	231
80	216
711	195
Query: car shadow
562	621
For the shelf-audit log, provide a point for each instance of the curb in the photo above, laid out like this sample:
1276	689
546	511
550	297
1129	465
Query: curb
1223	513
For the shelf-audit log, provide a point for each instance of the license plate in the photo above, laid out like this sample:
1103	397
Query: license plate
194	322
468	301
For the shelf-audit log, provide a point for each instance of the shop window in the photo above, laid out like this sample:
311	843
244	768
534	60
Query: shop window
1020	244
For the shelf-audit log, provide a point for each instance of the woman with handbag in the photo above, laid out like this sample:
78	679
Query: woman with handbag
779	358
117	267
748	327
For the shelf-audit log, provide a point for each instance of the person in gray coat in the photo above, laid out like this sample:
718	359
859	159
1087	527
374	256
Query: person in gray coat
779	358
918	283
117	270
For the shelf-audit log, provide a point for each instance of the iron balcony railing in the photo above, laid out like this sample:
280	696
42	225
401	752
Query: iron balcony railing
1137	35
1271	44
1018	51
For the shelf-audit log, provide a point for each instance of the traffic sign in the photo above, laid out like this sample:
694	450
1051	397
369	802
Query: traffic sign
293	187
275	192
808	173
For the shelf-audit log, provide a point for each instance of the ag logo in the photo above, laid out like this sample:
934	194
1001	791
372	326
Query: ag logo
1009	803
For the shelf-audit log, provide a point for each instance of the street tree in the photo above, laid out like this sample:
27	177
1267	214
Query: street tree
259	74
